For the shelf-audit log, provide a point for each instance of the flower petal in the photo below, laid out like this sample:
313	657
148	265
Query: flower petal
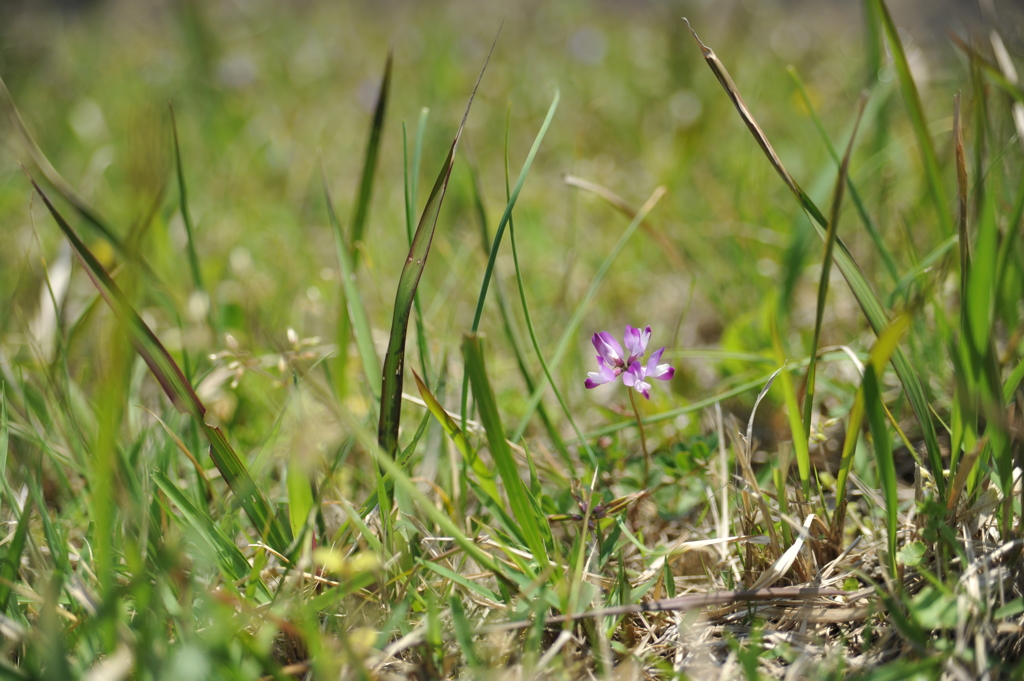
605	374
634	378
636	342
608	348
660	371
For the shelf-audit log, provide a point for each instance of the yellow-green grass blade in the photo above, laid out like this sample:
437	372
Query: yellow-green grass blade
883	458
884	348
485	477
394	360
917	119
353	300
531	521
862	291
499	233
177	389
573	325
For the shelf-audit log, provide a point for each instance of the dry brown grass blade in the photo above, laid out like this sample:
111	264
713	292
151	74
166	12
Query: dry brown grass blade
781	566
619	203
734	94
680	603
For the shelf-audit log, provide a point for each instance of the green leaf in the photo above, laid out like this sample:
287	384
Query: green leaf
912	554
934	609
12	558
531	522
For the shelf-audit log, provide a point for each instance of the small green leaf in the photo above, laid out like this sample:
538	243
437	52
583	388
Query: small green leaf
912	554
933	609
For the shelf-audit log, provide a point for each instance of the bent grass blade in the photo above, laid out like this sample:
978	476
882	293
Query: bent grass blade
861	289
178	390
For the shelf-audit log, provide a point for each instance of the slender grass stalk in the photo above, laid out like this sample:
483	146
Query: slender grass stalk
643	437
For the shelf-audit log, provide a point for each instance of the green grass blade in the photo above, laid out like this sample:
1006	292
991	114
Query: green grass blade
228	556
177	389
356	313
300	495
527	164
410	208
573	325
862	211
361	210
531	521
917	119
536	346
503	306
499	233
826	269
862	291
12	558
186	214
882	441
394	360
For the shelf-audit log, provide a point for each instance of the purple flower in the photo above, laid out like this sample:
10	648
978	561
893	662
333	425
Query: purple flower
612	362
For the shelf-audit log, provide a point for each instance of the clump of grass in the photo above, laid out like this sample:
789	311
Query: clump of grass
384	535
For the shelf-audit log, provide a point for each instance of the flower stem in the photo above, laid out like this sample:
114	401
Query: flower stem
643	437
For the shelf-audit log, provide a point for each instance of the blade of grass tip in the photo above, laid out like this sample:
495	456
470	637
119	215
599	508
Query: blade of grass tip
496	243
617	202
394	360
186	214
883	459
917	119
503	307
531	522
361	211
869	224
570	330
862	291
356	313
51	174
883	349
826	269
536	344
176	387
